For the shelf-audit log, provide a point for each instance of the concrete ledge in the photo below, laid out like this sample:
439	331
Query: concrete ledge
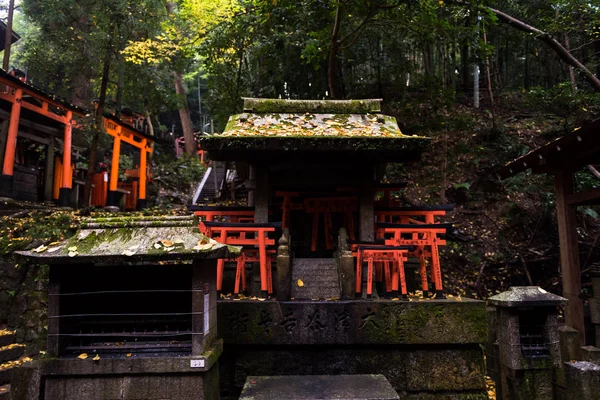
352	322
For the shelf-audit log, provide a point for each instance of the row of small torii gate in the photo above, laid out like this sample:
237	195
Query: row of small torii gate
39	117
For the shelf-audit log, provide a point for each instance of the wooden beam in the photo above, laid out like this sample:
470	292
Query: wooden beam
30	124
569	251
589	197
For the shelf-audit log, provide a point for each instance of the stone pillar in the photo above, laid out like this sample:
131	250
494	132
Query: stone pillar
346	267
583	380
261	195
528	342
204	305
366	214
283	286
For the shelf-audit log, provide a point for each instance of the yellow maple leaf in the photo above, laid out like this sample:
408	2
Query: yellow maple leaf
96	358
300	283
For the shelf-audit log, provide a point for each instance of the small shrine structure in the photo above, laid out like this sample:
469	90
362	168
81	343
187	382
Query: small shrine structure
131	313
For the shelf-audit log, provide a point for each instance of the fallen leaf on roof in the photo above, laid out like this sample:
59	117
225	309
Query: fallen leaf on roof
96	358
82	356
72	248
300	283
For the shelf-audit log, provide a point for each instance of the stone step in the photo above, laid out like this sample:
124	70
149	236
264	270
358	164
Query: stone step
5	392
6	337
319	276
323	387
11	352
7	368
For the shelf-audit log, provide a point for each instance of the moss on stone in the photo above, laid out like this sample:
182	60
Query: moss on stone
313	106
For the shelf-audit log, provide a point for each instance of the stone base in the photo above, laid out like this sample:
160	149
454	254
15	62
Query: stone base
425	370
132	378
6	186
112	198
142	203
64	197
324	387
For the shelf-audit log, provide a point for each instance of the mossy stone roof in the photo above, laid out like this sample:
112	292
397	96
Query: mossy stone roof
133	239
312	106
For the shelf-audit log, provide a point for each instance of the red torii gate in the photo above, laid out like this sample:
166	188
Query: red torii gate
122	132
14	91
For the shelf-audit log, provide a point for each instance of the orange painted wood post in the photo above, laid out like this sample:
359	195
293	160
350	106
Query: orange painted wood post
262	254
358	271
141	202
423	273
238	274
64	196
400	263
369	275
58	171
112	199
388	277
436	267
7	180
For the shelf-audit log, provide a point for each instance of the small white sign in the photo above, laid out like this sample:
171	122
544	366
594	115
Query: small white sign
197	363
105	177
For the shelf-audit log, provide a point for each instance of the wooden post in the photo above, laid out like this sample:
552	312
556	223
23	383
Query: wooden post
141	202
49	172
366	213
112	199
64	197
6	183
569	251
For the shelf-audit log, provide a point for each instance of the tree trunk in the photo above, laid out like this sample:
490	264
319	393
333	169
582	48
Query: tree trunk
98	123
545	37
184	115
333	50
8	36
489	83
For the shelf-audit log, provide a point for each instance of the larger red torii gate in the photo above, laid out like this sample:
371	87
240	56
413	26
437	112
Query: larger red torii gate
24	96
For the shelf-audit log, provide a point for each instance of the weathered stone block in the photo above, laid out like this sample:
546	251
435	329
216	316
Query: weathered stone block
325	387
407	369
583	380
444	396
352	322
590	353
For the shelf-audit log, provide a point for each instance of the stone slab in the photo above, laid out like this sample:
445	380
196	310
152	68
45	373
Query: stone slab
319	276
321	387
6	338
591	354
11	352
526	296
424	369
595	309
352	322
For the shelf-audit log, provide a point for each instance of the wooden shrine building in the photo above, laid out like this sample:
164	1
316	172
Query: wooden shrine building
562	158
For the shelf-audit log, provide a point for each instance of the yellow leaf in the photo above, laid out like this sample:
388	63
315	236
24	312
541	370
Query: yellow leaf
157	245
72	248
82	356
73	253
40	249
128	355
300	283
167	243
96	358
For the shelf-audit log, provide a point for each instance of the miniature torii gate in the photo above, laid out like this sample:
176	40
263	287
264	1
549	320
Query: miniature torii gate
122	132
50	107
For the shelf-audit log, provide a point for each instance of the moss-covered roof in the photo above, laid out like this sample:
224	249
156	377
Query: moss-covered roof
133	239
312	106
312	125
